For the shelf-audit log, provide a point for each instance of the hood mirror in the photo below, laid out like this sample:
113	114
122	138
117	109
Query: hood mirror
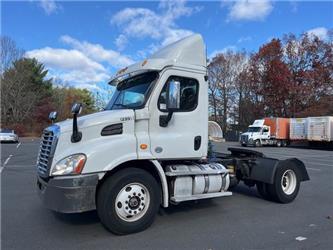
76	108
53	116
76	135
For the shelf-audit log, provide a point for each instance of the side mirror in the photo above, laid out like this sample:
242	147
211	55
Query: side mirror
173	95
53	116
76	108
172	102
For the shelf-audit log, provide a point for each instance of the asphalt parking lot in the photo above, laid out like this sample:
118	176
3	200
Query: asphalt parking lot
242	221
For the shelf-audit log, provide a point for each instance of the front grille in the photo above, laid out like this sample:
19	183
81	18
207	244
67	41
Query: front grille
46	150
244	138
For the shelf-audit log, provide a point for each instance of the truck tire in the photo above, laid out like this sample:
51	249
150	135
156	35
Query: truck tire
257	143
128	201
279	143
284	143
286	184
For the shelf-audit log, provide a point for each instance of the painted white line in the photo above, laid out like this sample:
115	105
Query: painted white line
300	238
314	169
320	164
7	160
18	145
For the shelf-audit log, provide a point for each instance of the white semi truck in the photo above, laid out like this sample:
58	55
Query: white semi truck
267	131
149	148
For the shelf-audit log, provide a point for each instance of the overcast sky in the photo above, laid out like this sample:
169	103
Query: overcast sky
83	43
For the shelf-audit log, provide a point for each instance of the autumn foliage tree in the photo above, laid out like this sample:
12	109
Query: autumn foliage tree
292	77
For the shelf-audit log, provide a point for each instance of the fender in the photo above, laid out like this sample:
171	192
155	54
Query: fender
165	191
264	169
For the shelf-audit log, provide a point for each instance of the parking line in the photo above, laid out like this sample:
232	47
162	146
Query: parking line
7	160
321	164
315	169
18	145
5	163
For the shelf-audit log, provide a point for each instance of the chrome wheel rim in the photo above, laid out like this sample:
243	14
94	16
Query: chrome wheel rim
288	182
132	202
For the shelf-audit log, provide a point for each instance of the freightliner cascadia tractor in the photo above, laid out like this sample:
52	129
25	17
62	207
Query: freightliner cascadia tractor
149	148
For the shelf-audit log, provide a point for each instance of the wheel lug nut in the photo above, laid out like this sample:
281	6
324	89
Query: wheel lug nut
134	212
141	198
134	194
129	197
139	208
126	202
126	207
139	194
130	211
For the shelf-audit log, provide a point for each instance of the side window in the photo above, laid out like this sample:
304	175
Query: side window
189	89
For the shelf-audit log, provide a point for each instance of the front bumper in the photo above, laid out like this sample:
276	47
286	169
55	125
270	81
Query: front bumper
249	142
70	194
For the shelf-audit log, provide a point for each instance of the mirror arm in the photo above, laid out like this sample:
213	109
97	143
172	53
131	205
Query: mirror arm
165	119
77	135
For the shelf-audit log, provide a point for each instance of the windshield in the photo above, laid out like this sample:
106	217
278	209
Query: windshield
254	129
133	92
6	130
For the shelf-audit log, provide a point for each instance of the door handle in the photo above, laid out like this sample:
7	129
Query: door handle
197	142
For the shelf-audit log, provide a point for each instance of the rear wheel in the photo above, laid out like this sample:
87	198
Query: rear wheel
284	143
279	143
128	201
286	184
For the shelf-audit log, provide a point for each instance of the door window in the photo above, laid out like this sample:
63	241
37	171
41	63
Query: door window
189	89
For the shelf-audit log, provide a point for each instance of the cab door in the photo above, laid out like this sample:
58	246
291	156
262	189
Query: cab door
265	134
183	136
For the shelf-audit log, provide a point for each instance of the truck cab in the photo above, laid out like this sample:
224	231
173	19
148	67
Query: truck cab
256	135
148	148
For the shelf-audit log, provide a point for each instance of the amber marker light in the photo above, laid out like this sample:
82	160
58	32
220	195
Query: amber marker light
143	146
144	63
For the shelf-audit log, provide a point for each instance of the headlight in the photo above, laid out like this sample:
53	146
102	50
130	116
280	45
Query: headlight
72	164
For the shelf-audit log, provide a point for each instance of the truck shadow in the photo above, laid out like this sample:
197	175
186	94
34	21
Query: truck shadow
187	206
91	217
84	218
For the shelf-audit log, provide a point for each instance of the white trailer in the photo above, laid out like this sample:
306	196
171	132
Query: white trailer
298	129
149	147
320	129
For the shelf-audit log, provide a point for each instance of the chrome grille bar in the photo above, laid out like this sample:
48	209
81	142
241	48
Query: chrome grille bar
46	150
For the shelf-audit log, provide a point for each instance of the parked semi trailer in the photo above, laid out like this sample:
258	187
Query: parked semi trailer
320	129
148	148
267	131
298	129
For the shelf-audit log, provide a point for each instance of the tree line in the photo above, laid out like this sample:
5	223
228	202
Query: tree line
289	77
27	95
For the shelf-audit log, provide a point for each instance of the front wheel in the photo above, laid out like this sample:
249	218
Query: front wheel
128	201
257	143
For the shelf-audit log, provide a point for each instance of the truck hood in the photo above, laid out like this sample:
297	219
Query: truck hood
95	119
